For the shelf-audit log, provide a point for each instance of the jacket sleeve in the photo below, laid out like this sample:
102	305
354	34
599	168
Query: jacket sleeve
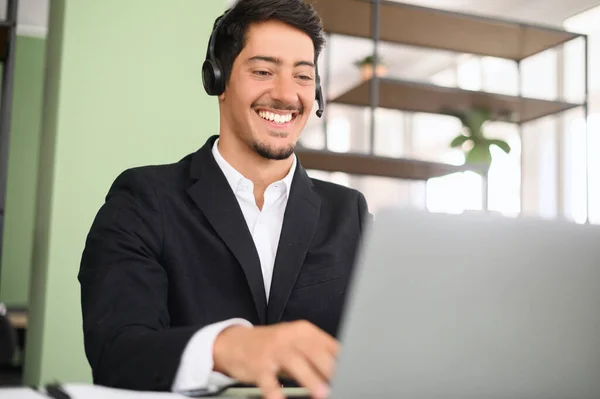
124	292
364	216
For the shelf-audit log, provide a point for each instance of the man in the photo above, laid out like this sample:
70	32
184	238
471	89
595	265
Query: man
230	265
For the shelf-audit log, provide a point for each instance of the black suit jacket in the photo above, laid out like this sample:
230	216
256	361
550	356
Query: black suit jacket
170	252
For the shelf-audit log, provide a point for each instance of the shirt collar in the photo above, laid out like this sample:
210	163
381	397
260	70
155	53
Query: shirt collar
236	180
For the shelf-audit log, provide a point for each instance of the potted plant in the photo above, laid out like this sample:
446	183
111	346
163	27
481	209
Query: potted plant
477	150
366	67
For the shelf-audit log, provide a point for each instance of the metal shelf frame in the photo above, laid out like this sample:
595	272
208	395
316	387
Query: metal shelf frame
541	38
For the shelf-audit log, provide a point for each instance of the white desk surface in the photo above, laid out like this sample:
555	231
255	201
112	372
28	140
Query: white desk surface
91	392
244	392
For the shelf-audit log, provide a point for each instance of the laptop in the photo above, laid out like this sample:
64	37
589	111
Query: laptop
472	306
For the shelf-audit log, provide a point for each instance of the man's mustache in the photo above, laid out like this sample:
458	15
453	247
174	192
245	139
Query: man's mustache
279	105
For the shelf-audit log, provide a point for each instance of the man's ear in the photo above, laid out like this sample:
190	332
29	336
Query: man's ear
222	95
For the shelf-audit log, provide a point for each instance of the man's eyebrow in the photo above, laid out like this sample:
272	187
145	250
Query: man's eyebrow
277	61
306	63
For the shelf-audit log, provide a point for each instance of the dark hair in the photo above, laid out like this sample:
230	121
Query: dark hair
231	38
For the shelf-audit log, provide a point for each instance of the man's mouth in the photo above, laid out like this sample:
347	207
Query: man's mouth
279	119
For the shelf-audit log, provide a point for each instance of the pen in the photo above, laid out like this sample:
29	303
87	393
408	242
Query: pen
56	392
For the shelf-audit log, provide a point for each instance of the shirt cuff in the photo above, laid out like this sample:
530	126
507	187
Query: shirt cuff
196	367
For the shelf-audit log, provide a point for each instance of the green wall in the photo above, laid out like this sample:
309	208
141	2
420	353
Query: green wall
123	88
21	183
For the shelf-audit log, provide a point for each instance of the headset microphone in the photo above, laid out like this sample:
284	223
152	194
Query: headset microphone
319	96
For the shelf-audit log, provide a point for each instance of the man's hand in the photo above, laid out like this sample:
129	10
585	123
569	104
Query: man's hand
259	355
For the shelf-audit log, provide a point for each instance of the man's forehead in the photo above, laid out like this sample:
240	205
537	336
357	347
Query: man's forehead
275	33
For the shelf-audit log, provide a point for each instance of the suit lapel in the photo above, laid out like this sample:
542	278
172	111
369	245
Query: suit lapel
300	222
213	195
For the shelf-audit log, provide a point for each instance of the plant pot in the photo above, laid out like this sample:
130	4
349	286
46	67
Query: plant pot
366	71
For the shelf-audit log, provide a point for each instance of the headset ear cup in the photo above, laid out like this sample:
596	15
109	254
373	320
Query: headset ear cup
208	77
219	82
212	78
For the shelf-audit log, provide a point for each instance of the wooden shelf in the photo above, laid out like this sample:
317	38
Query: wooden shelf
442	30
370	165
424	97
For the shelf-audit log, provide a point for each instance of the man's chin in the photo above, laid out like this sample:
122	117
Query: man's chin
278	153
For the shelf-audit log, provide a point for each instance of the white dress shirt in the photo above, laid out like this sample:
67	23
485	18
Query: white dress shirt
196	367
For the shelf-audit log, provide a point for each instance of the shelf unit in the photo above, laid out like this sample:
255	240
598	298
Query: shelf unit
411	25
430	98
8	34
371	165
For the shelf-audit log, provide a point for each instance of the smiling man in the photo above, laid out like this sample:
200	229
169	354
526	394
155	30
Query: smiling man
231	265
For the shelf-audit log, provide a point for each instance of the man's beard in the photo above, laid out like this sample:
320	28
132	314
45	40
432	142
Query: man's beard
273	154
264	150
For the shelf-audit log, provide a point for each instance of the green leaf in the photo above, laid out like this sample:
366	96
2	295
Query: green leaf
459	140
369	60
479	154
504	146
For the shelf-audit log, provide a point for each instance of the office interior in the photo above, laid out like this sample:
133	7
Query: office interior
92	88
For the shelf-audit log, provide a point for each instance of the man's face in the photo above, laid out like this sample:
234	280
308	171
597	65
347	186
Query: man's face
271	91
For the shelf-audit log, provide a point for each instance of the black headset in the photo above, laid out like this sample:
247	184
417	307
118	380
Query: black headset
212	74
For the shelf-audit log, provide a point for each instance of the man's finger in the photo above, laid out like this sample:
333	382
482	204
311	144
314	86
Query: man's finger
270	387
320	355
332	345
302	370
322	361
323	340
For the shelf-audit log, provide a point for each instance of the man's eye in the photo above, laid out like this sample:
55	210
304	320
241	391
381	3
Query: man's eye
262	73
304	77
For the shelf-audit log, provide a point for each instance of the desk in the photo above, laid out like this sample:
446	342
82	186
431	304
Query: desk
83	391
255	392
18	318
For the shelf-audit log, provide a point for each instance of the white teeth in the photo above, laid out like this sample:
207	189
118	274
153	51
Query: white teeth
277	118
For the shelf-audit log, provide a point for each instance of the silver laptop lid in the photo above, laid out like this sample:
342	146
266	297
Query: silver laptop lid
472	306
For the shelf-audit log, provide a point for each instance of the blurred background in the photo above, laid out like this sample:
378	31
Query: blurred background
444	105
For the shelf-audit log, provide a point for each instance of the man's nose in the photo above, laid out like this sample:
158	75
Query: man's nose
285	91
